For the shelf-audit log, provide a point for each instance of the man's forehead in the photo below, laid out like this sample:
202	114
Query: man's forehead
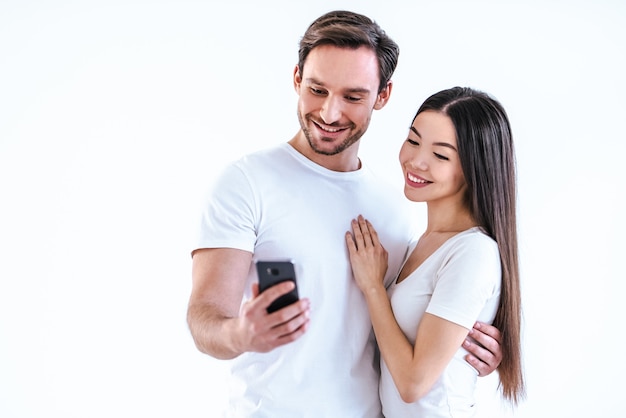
348	68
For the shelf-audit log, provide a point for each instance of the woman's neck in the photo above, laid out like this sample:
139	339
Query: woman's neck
449	218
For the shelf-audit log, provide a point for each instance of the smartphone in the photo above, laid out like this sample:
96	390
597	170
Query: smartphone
274	272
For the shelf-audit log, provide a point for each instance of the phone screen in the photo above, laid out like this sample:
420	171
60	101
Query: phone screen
274	272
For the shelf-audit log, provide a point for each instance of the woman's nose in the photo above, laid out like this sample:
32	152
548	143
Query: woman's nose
418	161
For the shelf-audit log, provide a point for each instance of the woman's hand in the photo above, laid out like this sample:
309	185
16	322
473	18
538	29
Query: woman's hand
367	256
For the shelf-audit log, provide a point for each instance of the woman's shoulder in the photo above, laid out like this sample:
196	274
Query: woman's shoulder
474	240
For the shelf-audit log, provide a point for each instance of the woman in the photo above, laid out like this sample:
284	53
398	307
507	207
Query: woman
459	159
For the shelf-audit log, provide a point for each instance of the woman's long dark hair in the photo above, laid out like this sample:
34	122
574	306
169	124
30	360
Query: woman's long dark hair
485	146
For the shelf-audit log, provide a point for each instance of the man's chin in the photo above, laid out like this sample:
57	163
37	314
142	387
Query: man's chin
324	145
327	148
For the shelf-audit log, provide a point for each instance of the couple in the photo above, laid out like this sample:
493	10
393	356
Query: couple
419	299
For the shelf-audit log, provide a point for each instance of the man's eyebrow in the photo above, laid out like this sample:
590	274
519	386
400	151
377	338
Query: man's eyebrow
359	90
440	144
312	80
363	90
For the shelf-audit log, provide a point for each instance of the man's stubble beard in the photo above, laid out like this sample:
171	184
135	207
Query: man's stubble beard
347	143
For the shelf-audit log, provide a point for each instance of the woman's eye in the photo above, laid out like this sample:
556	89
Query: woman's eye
441	157
412	142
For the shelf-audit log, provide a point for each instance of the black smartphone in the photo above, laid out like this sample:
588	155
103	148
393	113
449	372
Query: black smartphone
272	272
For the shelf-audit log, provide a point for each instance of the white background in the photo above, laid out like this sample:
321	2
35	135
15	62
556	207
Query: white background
115	115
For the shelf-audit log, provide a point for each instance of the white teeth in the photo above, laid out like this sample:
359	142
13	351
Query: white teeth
415	179
326	128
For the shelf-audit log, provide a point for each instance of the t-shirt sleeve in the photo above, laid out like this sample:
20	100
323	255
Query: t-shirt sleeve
227	219
468	279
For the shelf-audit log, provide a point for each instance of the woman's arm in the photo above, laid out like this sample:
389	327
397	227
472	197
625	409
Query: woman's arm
414	367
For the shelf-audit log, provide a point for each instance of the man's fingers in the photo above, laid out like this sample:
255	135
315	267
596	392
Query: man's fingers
483	345
255	289
479	357
482	368
274	292
485	332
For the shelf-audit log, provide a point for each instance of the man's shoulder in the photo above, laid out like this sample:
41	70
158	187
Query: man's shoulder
262	156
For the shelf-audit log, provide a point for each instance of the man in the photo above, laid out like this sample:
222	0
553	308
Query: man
316	357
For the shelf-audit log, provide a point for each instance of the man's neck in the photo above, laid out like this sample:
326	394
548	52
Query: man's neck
344	161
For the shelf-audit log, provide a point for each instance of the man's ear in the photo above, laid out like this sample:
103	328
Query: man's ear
383	96
297	79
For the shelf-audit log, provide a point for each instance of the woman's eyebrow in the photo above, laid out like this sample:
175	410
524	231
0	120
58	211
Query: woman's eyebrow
415	131
440	144
445	144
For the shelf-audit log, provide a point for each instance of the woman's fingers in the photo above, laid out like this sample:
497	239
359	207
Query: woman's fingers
364	234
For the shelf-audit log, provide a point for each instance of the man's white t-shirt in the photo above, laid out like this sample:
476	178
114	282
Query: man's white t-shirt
277	203
459	282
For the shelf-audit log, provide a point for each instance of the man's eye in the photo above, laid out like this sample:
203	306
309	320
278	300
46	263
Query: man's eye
441	157
317	92
353	99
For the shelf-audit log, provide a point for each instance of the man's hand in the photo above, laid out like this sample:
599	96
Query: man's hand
262	331
483	344
220	325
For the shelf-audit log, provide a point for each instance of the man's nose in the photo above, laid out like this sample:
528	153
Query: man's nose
331	110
